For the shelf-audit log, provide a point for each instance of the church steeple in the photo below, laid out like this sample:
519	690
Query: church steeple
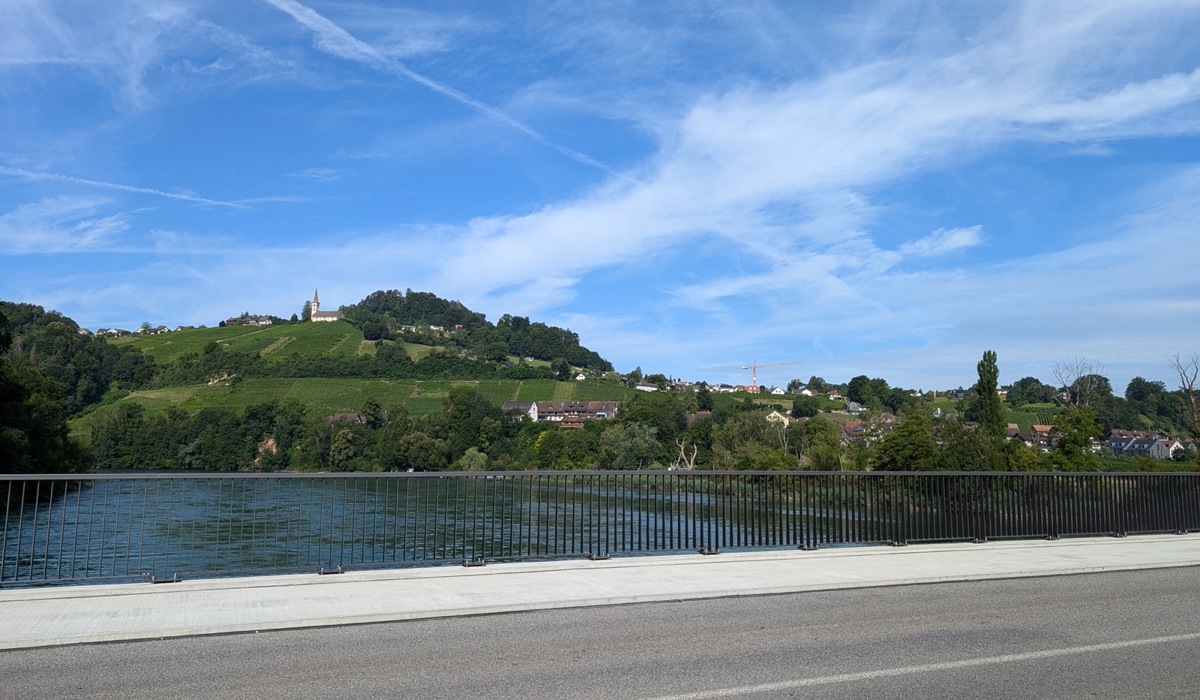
316	305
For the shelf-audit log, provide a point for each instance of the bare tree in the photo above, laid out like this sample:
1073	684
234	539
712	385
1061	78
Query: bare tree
1188	369
1078	381
683	460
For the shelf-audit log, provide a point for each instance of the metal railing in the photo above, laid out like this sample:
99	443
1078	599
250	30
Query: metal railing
131	526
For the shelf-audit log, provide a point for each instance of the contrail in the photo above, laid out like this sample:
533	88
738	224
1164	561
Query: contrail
337	41
55	177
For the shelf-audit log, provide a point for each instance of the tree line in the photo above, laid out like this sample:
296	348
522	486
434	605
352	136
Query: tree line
686	430
50	372
384	315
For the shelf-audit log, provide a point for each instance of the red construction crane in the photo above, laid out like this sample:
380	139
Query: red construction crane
753	367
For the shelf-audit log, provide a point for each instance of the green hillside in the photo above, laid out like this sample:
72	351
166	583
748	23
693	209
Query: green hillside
273	343
328	396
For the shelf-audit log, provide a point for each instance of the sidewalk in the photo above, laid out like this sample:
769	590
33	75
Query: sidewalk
80	614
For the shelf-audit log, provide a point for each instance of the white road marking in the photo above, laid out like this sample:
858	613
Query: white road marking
926	668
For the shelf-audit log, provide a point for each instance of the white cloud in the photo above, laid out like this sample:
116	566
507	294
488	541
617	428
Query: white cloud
58	225
775	181
944	241
321	174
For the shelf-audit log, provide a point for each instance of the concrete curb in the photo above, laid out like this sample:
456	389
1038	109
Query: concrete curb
126	612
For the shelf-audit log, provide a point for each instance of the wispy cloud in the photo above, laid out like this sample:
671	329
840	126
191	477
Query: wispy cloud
321	174
779	153
336	41
59	225
33	176
944	241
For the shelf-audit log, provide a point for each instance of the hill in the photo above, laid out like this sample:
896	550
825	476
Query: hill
273	343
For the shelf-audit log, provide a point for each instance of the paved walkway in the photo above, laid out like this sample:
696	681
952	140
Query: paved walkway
79	614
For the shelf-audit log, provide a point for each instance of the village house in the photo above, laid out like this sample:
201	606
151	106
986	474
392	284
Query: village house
1144	443
528	409
567	414
778	418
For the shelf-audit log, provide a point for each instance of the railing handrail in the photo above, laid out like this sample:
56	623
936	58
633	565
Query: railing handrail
174	474
60	527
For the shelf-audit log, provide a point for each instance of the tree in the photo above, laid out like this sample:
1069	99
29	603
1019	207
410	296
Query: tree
858	389
1029	390
805	407
657	379
628	446
1077	380
992	417
1074	430
33	418
686	458
1188	370
661	410
464	416
372	412
496	351
963	448
704	400
472	461
343	450
561	369
872	393
306	311
820	444
909	447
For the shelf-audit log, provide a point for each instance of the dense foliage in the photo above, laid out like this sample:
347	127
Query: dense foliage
652	431
410	315
86	366
33	416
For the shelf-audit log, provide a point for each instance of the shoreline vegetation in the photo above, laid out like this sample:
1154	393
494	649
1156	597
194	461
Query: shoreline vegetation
408	381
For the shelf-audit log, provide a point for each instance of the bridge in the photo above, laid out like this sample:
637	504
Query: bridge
600	585
65	615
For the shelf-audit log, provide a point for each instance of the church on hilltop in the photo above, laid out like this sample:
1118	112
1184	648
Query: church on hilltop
316	315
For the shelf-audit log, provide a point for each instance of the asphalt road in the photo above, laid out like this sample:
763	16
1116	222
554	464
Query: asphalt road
1113	635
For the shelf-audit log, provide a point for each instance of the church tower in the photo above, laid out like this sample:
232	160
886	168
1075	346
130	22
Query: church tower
317	315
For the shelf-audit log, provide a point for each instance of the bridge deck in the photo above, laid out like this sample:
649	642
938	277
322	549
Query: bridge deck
99	613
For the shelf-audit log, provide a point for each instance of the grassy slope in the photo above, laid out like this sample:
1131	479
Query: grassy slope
338	339
327	396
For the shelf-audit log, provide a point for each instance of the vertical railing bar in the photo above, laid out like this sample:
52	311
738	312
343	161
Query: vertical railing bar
62	532
91	501
423	503
564	530
38	517
391	519
8	498
402	516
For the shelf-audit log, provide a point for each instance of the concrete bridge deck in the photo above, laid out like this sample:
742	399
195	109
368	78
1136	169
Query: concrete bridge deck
62	615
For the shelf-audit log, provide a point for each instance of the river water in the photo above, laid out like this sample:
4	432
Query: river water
128	529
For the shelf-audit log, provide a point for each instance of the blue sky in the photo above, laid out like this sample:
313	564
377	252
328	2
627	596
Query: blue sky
883	188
